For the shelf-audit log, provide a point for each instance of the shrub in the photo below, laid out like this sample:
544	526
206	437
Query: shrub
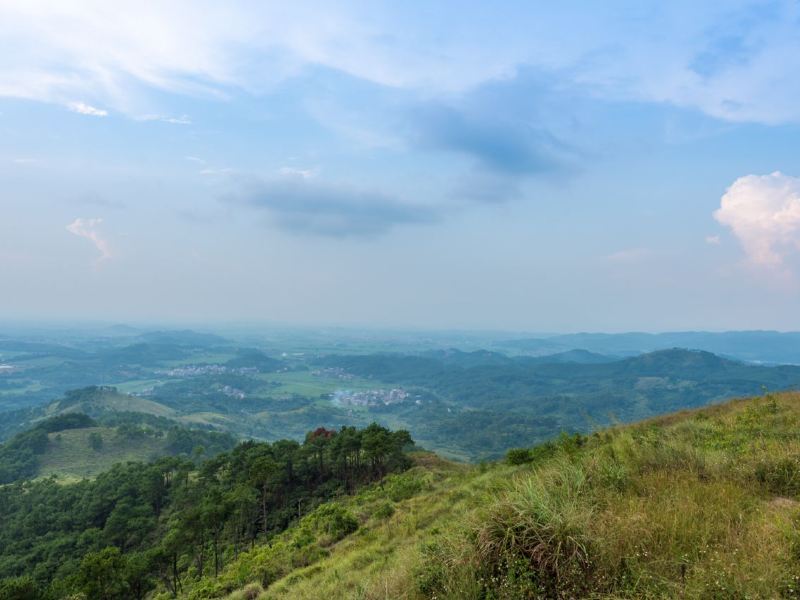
402	487
384	511
332	520
518	456
535	536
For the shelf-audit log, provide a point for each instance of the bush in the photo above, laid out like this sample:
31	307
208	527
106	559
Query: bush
384	511
332	520
518	456
402	487
535	537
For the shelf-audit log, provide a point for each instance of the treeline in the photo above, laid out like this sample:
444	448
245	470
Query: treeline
139	526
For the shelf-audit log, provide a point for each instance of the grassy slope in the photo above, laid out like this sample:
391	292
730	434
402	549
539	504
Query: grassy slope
699	504
69	454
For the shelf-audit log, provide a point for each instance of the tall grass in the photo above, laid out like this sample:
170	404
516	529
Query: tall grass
702	504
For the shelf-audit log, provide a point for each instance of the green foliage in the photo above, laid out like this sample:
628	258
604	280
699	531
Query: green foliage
172	522
67	421
484	403
656	510
195	443
780	475
96	441
400	487
19	458
101	575
383	511
518	456
331	520
536	535
468	406
670	508
73	446
20	588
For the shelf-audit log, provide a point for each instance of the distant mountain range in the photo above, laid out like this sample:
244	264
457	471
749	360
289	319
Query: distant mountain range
772	347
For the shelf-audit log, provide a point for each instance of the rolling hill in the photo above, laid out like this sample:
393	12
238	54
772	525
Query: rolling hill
72	445
697	504
753	346
694	504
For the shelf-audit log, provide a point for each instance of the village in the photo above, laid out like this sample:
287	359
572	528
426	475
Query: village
197	370
366	398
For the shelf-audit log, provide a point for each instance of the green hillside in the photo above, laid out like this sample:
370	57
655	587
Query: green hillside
141	528
77	453
73	446
696	504
700	504
100	400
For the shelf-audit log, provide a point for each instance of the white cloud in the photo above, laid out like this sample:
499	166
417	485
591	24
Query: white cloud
713	240
182	120
763	212
87	228
726	59
86	109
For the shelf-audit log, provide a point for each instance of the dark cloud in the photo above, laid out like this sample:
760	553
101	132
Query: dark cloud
501	145
302	205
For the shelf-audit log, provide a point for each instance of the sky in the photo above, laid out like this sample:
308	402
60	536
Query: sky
570	166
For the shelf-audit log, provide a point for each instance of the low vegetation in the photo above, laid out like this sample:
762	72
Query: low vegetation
697	504
700	504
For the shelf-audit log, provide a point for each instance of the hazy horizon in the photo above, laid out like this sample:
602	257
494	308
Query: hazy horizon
222	326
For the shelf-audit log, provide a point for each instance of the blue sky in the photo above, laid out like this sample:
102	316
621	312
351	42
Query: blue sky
586	166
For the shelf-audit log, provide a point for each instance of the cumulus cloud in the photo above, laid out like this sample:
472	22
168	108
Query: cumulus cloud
302	205
86	109
763	212
88	229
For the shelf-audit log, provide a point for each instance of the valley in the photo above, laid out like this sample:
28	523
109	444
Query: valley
466	404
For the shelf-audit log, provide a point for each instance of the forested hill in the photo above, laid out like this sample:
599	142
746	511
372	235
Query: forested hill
574	394
142	526
74	445
698	504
